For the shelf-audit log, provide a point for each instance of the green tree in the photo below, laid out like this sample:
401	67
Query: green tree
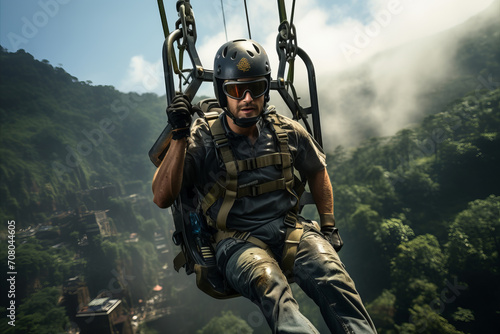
392	233
419	258
227	323
39	313
474	237
382	310
416	271
473	257
423	319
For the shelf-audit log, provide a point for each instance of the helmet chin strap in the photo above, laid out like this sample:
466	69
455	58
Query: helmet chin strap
245	122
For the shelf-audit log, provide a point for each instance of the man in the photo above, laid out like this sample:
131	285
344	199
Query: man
241	163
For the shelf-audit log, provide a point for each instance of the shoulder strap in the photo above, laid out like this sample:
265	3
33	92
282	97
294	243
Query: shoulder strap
292	184
231	183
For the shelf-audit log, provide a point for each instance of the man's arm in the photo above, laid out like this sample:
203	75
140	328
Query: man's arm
167	180
321	190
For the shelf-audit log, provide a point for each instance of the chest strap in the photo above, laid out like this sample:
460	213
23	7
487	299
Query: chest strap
277	158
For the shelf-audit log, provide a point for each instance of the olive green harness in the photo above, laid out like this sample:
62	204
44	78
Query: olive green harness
229	189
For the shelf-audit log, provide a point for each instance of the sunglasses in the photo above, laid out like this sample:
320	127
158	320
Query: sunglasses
237	89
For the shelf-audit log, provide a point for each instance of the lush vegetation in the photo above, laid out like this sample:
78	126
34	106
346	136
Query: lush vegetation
418	211
60	135
419	215
70	148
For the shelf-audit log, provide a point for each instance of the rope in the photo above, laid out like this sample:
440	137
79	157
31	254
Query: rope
163	17
248	21
223	17
293	13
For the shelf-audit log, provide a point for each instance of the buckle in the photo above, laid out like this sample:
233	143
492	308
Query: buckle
221	142
255	190
282	136
251	164
290	220
177	238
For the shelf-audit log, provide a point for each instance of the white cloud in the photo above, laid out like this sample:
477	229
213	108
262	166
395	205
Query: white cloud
340	42
144	76
346	54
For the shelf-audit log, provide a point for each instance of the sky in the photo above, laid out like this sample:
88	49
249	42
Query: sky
119	43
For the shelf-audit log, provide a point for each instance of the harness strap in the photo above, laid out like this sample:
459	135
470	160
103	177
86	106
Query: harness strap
221	235
231	184
179	261
277	158
274	159
294	232
259	189
229	190
291	180
216	192
292	239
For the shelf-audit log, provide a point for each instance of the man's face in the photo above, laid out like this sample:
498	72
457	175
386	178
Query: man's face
247	106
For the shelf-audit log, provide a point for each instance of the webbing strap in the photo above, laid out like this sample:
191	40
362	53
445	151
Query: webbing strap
259	189
277	158
294	231
217	191
179	261
221	235
231	184
283	147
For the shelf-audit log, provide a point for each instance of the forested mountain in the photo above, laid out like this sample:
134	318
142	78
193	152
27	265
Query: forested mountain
60	135
418	211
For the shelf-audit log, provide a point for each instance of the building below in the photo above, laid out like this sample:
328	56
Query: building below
104	315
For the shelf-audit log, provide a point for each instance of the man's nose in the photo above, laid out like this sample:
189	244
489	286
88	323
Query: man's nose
248	96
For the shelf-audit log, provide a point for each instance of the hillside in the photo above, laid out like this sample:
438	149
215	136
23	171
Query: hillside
419	210
60	135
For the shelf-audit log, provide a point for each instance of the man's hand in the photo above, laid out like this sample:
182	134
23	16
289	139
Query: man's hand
330	231
179	116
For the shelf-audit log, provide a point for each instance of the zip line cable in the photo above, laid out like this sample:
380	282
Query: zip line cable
223	17
163	18
248	21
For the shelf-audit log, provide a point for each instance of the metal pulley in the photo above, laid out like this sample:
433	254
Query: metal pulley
190	79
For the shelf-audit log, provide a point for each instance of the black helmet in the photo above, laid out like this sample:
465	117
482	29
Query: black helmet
241	58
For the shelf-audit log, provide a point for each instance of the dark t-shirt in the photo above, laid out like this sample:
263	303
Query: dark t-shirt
261	215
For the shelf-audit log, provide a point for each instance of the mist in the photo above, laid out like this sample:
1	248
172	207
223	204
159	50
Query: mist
378	81
378	63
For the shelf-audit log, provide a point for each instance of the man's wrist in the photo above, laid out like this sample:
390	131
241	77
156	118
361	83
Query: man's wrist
181	133
327	220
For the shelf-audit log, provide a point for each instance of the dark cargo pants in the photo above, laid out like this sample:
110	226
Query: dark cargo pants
256	275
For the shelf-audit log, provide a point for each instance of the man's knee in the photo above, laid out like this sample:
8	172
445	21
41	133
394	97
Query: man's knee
253	268
268	275
317	258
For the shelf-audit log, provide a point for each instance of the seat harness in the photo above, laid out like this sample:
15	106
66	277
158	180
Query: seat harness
229	190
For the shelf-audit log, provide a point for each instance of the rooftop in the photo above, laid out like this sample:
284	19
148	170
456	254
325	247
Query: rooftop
99	306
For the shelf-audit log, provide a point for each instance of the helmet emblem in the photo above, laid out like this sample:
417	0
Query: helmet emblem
243	65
